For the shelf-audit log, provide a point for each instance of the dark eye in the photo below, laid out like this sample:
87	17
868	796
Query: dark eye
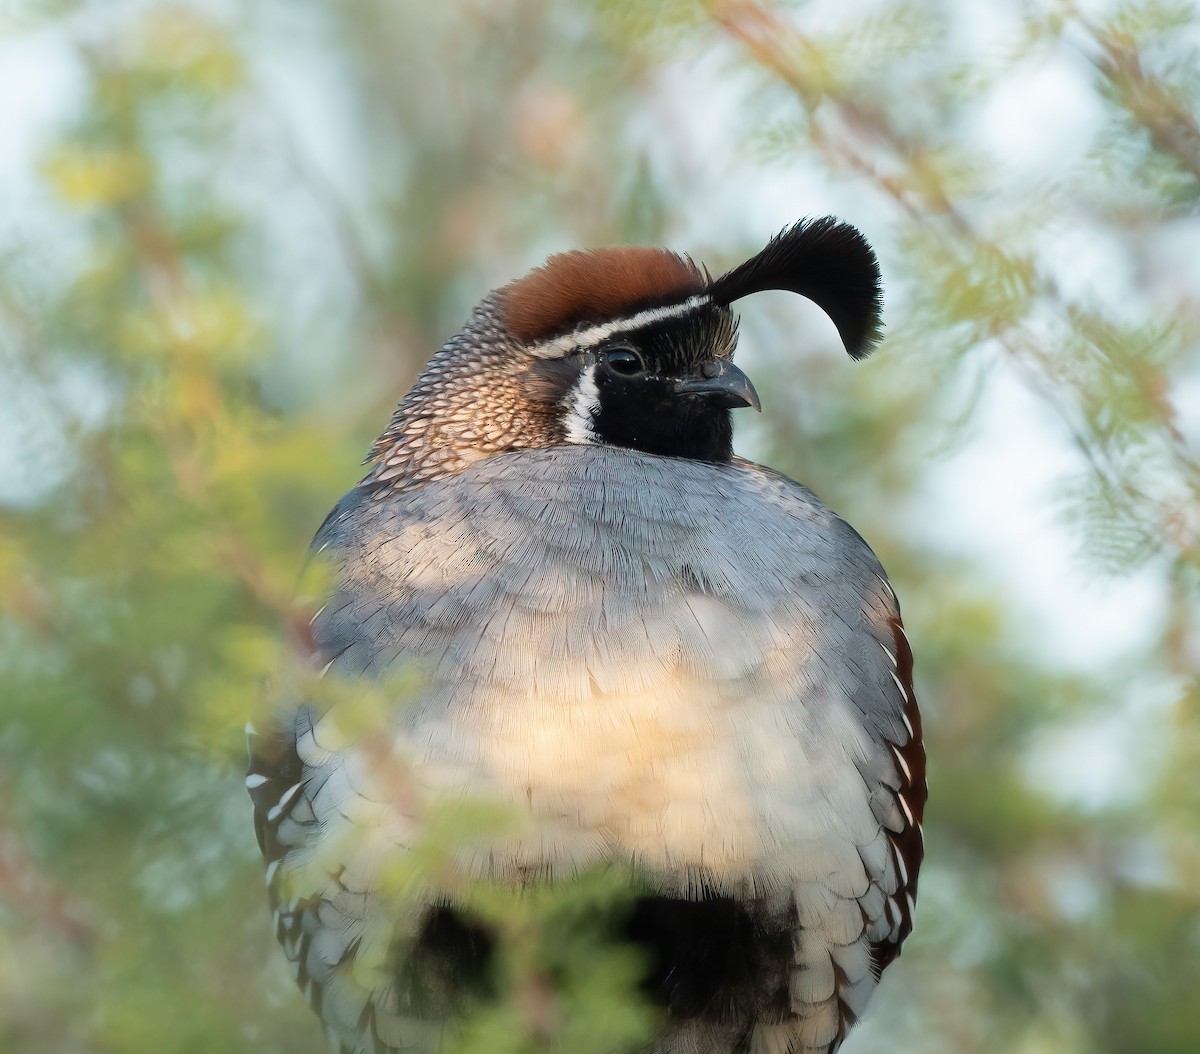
624	361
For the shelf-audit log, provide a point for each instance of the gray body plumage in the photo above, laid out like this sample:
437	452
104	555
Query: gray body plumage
696	667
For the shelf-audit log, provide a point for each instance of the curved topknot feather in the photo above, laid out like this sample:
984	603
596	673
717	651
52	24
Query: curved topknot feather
827	261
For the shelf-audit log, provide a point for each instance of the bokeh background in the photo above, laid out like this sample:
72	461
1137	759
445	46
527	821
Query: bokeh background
231	233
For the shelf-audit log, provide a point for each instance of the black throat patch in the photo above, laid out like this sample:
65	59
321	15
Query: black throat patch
647	411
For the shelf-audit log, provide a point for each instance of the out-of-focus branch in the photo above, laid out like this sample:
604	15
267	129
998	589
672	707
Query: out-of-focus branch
326	196
847	128
162	268
1173	129
852	135
33	894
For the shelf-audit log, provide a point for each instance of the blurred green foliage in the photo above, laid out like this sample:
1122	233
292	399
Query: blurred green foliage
257	223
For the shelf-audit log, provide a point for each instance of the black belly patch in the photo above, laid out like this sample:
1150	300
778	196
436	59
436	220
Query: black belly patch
450	961
716	959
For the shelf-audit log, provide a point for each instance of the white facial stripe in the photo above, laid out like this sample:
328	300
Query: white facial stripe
590	337
581	407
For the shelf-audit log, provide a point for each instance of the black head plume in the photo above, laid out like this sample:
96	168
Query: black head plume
825	260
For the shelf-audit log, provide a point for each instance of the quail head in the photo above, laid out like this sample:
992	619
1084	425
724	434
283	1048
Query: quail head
655	653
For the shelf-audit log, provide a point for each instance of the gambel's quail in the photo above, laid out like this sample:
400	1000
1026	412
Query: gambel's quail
655	654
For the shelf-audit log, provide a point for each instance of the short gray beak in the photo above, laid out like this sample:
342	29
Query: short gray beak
723	384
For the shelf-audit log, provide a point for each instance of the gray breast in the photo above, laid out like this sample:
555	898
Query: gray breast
586	554
668	657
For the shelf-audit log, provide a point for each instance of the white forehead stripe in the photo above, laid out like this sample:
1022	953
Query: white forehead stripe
593	335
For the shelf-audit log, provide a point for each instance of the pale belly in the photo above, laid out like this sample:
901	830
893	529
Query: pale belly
698	785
